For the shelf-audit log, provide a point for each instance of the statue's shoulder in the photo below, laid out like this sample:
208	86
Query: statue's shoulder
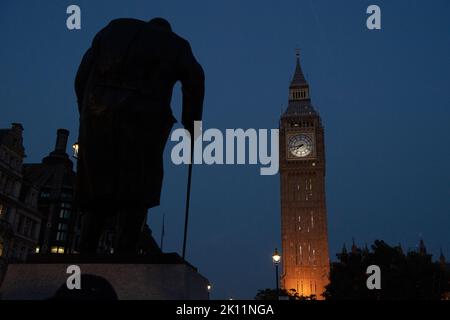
183	43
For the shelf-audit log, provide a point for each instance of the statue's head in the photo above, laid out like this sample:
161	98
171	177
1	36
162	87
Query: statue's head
161	23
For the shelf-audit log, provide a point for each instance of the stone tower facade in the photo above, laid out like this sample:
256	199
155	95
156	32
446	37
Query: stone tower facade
304	232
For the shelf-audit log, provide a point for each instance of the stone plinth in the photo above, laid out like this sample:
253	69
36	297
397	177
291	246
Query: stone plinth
137	280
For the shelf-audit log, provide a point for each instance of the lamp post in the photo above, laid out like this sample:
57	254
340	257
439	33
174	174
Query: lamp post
75	148
209	287
276	261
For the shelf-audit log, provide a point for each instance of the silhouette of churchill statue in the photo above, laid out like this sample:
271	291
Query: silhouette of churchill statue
124	88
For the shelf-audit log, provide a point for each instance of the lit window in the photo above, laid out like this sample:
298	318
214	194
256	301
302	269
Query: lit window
56	249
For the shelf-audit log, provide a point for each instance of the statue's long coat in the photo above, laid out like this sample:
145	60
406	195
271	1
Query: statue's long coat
124	88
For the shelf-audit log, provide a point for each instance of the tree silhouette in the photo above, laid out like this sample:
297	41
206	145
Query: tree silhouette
271	294
403	276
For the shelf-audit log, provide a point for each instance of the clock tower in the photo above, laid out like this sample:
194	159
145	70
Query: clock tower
304	232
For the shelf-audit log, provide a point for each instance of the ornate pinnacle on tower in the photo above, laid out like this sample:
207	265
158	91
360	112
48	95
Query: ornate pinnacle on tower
299	78
442	257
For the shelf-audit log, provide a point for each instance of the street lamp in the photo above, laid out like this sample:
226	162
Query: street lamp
209	287
276	260
75	148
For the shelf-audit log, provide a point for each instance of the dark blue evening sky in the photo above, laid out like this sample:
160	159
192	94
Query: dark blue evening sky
383	97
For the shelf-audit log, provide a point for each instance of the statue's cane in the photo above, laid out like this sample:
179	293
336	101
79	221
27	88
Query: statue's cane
188	196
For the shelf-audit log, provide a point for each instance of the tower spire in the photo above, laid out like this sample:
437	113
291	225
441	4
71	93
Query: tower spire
299	88
354	247
442	257
298	79
422	248
344	249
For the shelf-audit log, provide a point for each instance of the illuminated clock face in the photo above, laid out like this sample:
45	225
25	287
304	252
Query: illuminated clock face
300	145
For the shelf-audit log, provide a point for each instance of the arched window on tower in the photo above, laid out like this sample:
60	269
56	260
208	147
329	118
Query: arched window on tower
300	254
